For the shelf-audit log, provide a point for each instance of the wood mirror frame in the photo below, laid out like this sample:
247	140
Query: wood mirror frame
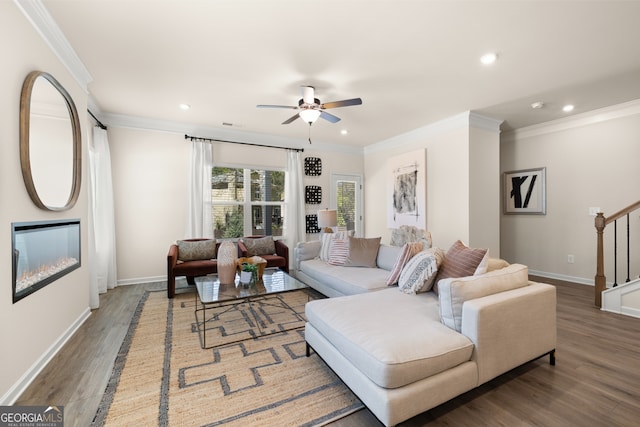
26	144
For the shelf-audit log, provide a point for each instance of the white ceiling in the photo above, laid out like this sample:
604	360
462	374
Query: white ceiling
412	62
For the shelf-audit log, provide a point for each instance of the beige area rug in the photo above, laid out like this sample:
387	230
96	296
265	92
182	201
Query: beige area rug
163	377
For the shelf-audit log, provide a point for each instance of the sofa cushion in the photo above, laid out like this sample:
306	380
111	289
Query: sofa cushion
260	246
196	250
420	272
408	251
395	339
362	252
345	280
453	292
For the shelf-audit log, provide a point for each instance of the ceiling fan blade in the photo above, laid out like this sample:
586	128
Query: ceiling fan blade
345	103
290	119
277	106
329	117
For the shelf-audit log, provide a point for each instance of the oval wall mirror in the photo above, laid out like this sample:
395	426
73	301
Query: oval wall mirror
50	143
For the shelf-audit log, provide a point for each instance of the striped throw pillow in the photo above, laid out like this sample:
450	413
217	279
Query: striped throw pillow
339	251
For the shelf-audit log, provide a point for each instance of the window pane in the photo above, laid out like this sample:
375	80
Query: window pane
227	184
267	186
228	221
346	194
266	220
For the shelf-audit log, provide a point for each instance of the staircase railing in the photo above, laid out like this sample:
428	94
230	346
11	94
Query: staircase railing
601	222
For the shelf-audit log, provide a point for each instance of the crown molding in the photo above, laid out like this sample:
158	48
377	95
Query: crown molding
591	117
38	15
466	120
155	125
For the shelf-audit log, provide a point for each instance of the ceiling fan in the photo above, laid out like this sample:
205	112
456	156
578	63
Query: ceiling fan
311	108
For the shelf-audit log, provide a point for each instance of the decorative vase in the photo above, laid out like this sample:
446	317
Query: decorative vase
227	256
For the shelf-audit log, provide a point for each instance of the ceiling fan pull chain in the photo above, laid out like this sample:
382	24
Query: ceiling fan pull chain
309	133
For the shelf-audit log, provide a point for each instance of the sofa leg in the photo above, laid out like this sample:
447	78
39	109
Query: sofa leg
552	357
191	280
308	350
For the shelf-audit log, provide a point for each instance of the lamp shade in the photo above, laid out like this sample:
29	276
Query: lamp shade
309	115
327	218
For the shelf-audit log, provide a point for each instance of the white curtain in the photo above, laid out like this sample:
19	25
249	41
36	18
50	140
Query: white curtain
199	218
102	241
294	219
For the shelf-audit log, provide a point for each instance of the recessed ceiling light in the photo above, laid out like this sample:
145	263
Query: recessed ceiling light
184	107
567	108
344	132
489	58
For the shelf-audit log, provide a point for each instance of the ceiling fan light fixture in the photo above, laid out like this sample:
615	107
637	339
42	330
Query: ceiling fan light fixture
309	115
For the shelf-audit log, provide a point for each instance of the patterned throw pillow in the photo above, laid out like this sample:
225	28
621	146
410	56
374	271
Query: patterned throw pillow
420	272
326	239
192	251
339	251
462	261
260	246
408	252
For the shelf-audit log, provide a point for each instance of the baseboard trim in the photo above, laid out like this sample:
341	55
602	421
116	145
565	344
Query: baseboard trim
126	282
573	279
27	378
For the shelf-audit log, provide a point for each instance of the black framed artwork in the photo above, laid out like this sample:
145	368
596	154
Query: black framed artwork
524	192
313	194
312	224
312	166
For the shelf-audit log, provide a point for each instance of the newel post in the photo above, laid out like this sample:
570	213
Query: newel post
601	281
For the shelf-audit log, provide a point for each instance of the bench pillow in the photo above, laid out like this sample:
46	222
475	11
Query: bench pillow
260	246
453	292
198	250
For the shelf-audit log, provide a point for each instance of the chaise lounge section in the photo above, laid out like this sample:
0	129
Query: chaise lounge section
403	354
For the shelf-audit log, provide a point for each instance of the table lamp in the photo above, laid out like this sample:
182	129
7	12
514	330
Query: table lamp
327	220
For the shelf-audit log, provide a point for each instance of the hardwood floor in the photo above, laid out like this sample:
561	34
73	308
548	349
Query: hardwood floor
596	380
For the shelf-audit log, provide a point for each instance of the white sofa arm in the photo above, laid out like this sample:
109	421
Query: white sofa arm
510	328
306	250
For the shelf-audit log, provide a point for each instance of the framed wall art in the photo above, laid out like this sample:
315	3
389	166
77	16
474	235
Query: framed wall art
524	192
312	166
407	190
313	194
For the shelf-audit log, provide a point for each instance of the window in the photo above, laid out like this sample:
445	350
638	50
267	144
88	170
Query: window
259	193
346	197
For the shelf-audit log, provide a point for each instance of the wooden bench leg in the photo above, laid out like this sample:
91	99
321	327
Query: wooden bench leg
552	357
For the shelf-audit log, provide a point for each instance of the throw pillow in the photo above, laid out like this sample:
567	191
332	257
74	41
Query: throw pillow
460	261
339	251
362	252
408	251
455	291
420	272
192	251
260	246
326	239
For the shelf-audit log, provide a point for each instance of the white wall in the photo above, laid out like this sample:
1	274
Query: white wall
32	329
459	162
591	161
150	173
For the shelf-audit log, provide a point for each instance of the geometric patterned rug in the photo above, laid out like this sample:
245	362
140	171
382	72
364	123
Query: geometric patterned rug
163	377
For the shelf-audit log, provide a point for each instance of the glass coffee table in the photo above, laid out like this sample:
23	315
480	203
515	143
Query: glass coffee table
223	298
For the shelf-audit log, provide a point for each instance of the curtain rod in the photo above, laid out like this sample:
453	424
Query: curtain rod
197	138
97	121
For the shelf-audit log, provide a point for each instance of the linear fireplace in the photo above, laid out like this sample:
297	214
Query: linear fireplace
43	252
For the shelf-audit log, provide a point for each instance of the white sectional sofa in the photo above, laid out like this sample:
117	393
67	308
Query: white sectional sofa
333	280
404	354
